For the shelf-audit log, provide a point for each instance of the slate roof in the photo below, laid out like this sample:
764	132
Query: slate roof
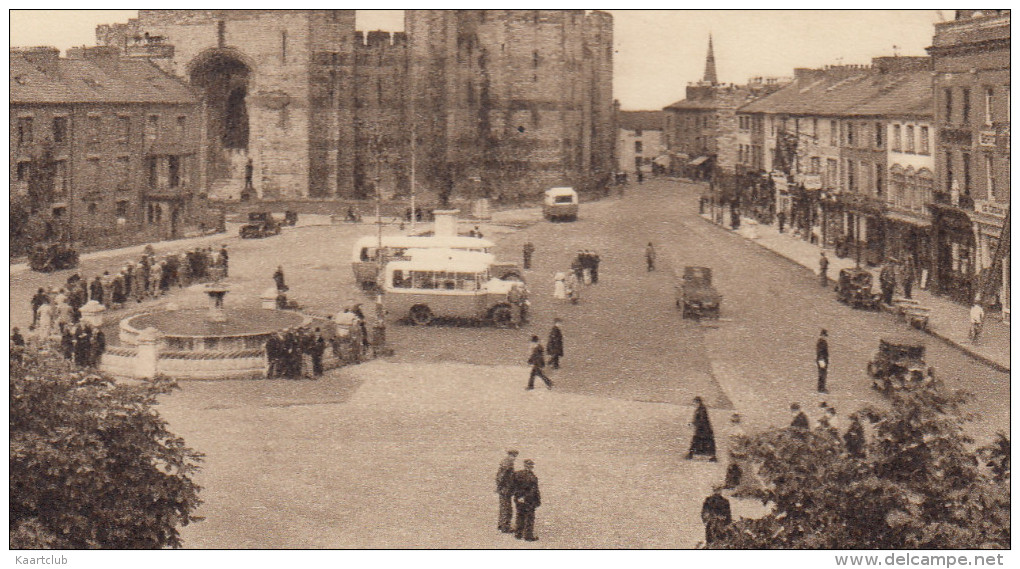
131	80
867	93
641	120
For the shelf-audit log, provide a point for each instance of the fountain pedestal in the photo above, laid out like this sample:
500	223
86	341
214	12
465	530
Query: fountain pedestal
216	294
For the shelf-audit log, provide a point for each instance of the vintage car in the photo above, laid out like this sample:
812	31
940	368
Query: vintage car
560	204
695	295
898	364
54	257
260	224
367	256
459	288
854	289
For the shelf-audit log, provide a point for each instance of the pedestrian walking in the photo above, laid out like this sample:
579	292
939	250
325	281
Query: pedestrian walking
715	514
505	490
650	256
703	441
528	250
577	267
537	361
853	439
317	349
67	342
82	347
527	499
887	282
96	290
274	345
908	276
572	286
554	345
97	345
822	359
800	420
781	218
823	270
586	264
595	260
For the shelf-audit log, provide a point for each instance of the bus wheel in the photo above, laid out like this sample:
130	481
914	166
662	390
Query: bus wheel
501	316
421	315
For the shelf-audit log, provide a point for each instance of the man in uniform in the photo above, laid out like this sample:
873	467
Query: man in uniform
822	359
527	498
505	489
715	513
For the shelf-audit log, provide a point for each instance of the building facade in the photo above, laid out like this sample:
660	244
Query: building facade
832	136
101	146
300	105
971	56
639	141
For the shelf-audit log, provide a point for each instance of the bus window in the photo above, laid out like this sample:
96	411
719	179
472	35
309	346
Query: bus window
399	281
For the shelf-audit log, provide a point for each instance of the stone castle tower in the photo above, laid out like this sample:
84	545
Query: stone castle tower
300	105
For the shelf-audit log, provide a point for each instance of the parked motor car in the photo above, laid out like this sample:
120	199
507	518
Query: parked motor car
53	257
260	224
560	204
696	297
853	288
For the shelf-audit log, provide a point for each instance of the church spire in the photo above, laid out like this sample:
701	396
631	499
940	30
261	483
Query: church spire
710	75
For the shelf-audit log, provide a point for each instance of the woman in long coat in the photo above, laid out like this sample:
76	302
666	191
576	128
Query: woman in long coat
703	442
560	287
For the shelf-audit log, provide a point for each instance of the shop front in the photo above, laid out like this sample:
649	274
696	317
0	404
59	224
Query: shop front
954	253
864	228
908	241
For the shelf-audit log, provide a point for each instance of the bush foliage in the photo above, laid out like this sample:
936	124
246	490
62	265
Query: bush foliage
92	464
919	485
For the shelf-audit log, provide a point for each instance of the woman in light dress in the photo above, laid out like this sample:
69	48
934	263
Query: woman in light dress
560	287
44	327
573	288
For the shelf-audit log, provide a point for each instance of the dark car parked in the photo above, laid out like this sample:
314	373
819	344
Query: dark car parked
260	224
695	295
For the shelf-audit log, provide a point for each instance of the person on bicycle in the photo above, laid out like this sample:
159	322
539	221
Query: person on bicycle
977	317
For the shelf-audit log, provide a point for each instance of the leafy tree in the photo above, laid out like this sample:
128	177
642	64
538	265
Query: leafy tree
919	484
92	464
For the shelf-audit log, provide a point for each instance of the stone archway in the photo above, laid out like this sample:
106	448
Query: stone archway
224	77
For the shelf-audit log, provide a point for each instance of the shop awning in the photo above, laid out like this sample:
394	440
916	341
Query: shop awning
908	219
698	161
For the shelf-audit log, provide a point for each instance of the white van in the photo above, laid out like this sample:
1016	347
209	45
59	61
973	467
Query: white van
460	286
560	203
367	257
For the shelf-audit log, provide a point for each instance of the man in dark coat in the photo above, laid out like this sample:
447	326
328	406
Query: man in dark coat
527	499
781	218
67	342
800	420
577	266
97	347
38	299
822	359
715	513
854	437
823	270
908	278
82	346
887	282
273	345
225	259
505	489
537	361
595	260
316	347
554	346
703	442
96	291
529	250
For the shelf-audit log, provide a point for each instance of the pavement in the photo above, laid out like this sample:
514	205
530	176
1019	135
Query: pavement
948	320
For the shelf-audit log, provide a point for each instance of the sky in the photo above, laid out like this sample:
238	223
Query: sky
657	52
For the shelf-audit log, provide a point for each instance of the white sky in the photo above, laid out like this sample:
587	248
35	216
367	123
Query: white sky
657	51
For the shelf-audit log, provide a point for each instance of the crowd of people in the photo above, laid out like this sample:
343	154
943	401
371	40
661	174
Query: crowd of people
584	270
152	276
295	353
